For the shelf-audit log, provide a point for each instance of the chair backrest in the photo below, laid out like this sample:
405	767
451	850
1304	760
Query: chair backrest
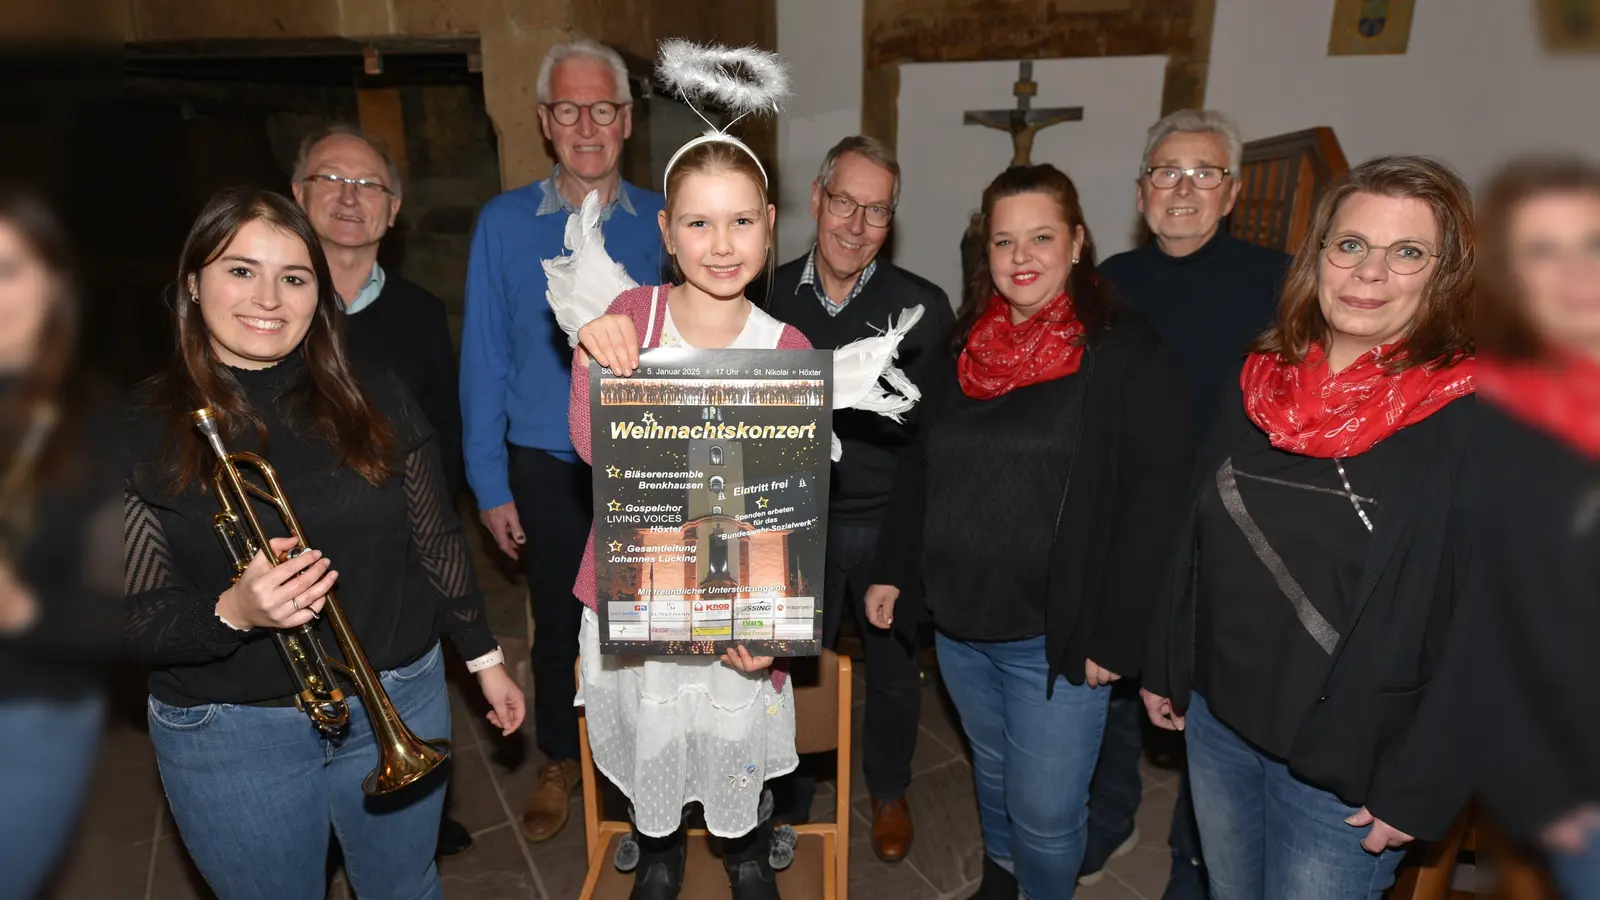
822	689
816	703
1280	179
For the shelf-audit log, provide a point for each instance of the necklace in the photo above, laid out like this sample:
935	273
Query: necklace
1349	492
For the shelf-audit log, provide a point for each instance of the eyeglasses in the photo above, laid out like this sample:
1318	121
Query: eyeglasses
1402	257
1206	178
844	208
601	112
363	186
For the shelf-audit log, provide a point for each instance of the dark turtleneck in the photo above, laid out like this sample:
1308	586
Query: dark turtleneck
1208	306
405	574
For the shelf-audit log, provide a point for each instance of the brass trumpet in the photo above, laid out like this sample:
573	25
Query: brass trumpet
402	757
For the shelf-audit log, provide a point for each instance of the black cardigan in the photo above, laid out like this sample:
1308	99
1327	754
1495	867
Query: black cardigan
407	331
864	475
1124	492
1513	702
70	558
1397	630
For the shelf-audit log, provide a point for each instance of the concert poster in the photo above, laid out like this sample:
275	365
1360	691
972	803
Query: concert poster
711	476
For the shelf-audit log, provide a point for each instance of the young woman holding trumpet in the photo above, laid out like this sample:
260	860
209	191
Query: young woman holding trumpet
260	757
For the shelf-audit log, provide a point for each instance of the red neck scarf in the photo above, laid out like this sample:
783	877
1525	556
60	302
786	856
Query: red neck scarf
1561	399
1305	409
1000	357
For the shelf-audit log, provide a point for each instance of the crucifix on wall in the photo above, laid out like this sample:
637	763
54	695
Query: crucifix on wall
1022	121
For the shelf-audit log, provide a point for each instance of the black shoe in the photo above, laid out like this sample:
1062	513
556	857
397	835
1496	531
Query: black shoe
454	839
658	874
997	884
749	866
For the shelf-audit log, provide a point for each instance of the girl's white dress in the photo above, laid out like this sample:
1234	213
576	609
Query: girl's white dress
672	730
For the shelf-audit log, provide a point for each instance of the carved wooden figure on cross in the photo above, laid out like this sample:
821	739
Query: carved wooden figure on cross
1022	122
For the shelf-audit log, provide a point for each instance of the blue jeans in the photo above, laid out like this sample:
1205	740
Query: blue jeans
50	750
1579	873
1032	757
1116	791
254	791
1265	833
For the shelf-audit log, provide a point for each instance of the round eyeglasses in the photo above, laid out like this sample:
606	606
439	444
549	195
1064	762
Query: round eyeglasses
1206	178
844	207
363	186
1402	257
601	112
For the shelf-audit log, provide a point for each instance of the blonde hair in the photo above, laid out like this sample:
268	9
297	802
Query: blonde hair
716	158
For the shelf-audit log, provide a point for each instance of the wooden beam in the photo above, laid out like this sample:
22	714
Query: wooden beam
1187	71
381	116
880	103
902	31
979	30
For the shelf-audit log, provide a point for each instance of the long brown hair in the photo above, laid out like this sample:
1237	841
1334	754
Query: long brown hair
711	158
1501	314
1091	302
1442	330
49	379
335	407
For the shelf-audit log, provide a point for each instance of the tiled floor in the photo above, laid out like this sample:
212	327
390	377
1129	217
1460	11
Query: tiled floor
127	847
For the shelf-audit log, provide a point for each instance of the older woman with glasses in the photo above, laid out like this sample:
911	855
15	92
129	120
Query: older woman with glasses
1312	585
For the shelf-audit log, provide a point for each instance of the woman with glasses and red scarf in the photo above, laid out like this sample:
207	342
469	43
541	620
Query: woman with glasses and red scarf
1313	581
1515	698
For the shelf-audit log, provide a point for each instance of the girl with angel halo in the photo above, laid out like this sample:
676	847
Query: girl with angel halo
671	731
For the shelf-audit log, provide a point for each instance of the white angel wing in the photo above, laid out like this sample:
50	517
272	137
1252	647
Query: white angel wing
860	369
584	281
860	366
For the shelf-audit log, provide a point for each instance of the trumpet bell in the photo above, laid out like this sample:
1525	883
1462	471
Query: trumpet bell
404	765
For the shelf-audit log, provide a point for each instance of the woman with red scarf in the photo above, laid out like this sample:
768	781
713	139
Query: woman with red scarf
1314	575
1031	521
1517	693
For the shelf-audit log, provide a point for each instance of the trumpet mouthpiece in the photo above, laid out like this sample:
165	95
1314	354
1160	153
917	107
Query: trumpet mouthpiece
205	420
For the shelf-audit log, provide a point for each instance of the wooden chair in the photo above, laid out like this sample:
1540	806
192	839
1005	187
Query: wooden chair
1281	179
1430	875
821	867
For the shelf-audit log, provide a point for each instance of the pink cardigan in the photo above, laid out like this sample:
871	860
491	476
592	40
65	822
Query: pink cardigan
636	304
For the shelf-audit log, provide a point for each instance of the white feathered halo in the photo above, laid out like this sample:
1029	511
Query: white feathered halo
743	81
584	281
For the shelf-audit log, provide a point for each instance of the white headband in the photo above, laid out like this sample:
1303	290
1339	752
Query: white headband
715	72
718	137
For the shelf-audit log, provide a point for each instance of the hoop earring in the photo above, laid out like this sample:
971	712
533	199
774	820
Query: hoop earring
194	298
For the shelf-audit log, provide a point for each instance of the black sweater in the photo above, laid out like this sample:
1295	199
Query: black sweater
872	443
1123	493
1397	623
407	332
1510	714
999	462
1208	306
69	558
405	573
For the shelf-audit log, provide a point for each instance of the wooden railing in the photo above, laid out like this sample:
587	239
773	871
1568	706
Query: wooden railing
1281	179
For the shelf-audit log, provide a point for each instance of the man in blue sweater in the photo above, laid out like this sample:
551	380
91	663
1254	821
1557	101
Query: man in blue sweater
533	492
